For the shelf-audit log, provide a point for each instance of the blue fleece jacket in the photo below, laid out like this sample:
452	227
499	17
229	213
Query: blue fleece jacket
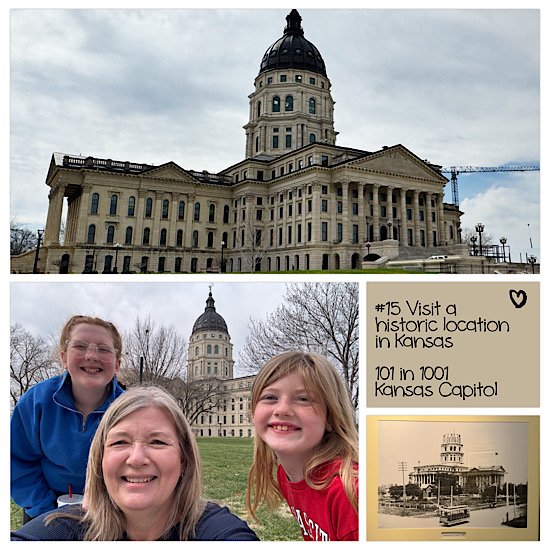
50	443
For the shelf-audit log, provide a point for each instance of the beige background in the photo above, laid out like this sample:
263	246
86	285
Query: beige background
511	359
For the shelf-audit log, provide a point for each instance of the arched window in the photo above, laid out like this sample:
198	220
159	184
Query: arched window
129	235
312	106
210	239
163	234
165	207
208	348
181	210
312	138
216	349
196	351
225	238
179	237
177	265
195	243
146	235
110	234
276	104
211	213
149	207
289	103
113	206
197	215
131	206
226	214
94	207
91	234
259	109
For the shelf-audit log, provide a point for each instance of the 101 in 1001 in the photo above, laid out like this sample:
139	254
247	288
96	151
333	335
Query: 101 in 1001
427	372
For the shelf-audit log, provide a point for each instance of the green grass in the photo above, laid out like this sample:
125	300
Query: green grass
226	462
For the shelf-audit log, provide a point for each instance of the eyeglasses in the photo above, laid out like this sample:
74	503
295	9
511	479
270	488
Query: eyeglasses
80	348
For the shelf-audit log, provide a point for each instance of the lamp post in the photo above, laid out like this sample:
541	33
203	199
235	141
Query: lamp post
390	223
117	248
479	228
473	240
38	242
503	242
222	267
367	244
532	260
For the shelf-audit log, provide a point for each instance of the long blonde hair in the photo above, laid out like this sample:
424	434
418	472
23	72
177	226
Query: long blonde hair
325	385
104	520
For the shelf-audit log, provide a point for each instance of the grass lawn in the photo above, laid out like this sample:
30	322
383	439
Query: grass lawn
225	464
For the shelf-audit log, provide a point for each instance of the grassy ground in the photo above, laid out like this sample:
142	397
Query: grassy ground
225	468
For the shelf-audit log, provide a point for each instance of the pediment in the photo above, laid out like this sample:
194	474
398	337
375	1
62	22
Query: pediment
397	160
171	171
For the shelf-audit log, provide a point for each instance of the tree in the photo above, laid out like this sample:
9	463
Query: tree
161	351
317	317
252	240
30	361
445	481
21	239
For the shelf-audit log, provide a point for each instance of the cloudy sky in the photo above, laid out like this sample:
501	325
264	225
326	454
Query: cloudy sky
419	442
456	87
43	308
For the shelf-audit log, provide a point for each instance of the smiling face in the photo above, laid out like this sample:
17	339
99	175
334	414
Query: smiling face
142	463
288	420
90	370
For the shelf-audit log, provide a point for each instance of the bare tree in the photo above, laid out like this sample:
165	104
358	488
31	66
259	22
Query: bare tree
158	352
318	317
31	361
21	239
253	241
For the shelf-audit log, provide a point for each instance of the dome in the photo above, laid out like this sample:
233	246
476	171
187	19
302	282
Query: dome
292	50
210	320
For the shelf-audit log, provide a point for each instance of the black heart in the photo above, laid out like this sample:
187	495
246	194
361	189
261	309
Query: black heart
518	298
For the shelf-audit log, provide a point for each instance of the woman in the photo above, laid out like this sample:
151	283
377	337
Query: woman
142	481
54	422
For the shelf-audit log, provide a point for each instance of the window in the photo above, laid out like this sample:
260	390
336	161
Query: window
146	235
226	214
355	233
177	265
299	233
181	210
94	207
276	104
211	213
298	77
324	205
311	140
288	141
355	208
129	235
324	189
282	78
162	263
275	142
324	160
324	231
312	106
210	239
312	81
197	212
259	109
111	234
131	207
149	207
289	103
165	208
163	236
179	237
339	207
289	234
195	239
339	232
113	205
91	234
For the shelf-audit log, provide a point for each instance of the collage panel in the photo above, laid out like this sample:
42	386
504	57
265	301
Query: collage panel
250	378
442	478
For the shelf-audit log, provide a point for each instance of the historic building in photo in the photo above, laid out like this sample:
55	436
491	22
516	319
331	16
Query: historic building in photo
452	463
210	359
297	201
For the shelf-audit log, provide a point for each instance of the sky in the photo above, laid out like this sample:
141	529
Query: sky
43	308
456	87
419	443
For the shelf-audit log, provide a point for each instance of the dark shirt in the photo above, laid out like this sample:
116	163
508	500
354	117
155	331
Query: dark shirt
216	523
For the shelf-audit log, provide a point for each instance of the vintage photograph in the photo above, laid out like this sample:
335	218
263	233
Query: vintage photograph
436	474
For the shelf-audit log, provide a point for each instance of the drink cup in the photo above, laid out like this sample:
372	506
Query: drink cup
63	500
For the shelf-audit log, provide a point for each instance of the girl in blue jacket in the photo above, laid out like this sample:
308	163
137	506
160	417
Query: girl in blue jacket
53	423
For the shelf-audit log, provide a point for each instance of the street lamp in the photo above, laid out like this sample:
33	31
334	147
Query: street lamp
35	266
532	260
503	242
222	267
479	228
473	240
367	244
390	223
118	246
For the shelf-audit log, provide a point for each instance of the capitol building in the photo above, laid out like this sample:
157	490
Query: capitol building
297	201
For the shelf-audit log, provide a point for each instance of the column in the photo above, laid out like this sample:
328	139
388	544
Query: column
442	237
389	208
140	214
403	196
363	236
375	212
53	220
416	217
346	220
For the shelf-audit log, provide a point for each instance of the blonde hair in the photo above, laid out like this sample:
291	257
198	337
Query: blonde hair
325	385
103	518
87	320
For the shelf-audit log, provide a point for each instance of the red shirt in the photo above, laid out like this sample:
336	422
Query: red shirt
324	514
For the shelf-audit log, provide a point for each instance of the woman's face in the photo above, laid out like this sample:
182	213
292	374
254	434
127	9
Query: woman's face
142	462
92	366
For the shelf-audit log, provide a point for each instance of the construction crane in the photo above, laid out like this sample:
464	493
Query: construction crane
455	170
